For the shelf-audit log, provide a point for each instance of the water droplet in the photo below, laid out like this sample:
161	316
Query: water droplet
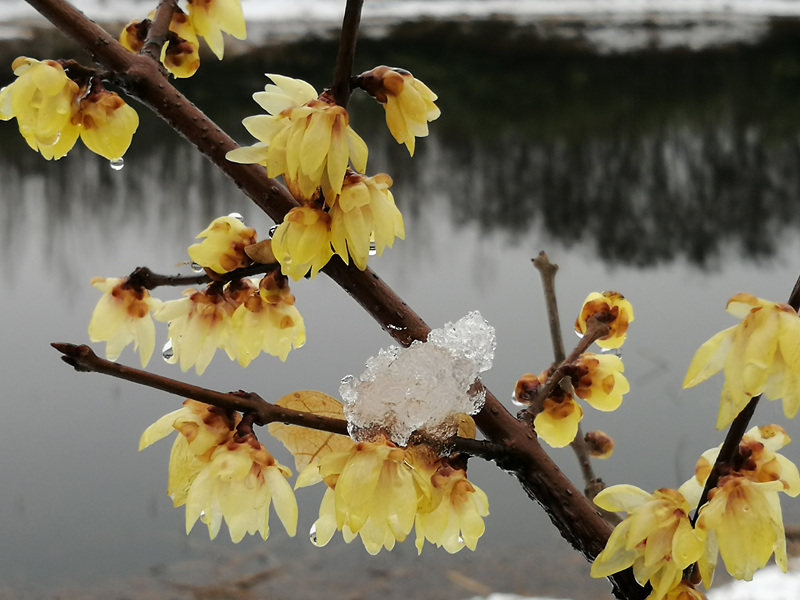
272	230
372	249
517	403
236	215
167	351
312	535
197	268
117	164
579	334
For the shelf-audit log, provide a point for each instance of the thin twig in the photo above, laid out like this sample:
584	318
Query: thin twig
145	278
82	358
347	52
159	30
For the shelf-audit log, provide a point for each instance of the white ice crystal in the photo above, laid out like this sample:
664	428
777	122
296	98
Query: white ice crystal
422	387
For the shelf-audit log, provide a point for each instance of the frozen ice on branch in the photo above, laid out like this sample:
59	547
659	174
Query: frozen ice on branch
423	387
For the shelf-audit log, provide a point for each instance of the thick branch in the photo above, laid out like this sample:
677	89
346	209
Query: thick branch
575	517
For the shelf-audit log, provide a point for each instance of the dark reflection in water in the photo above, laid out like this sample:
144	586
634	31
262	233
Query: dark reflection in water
649	156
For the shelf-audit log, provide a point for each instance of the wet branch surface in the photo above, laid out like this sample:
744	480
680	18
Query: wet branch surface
576	518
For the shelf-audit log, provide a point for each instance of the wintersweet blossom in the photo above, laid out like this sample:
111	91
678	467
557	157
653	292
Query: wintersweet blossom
268	321
455	517
303	242
372	492
180	54
684	591
122	316
45	102
305	137
599	380
238	485
607	302
199	323
759	355
210	18
201	429
656	538
107	123
743	516
408	102
222	248
364	212
557	423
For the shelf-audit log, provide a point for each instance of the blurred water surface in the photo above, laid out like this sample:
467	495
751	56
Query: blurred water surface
669	176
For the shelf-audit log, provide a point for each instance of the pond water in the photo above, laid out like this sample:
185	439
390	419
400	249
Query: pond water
669	176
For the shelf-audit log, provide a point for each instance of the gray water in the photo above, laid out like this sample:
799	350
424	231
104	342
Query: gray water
671	178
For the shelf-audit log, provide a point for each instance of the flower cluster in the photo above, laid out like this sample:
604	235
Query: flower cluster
53	111
742	517
220	474
760	355
241	316
382	491
656	539
208	19
596	378
306	138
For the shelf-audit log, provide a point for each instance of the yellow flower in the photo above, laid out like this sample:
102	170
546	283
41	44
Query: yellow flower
684	591
211	17
107	124
599	380
656	538
457	519
759	355
238	485
122	316
557	424
408	102
202	428
745	501
303	242
743	519
199	323
610	302
372	492
44	101
180	54
222	250
305	138
364	211
268	320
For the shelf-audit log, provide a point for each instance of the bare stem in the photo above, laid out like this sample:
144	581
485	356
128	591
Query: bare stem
548	271
347	52
159	30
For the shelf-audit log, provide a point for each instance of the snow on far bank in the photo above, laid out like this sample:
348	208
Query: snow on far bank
768	584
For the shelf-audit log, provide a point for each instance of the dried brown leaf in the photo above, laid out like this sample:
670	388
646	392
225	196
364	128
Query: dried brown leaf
309	444
261	252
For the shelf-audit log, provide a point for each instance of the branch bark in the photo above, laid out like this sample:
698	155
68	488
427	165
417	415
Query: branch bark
577	519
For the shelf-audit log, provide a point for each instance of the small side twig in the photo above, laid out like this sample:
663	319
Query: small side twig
259	411
347	52
159	29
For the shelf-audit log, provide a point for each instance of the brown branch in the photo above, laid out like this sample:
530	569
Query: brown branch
347	52
159	30
82	358
596	328
548	270
575	517
143	277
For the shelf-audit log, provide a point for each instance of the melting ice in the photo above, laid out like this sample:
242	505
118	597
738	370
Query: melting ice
422	387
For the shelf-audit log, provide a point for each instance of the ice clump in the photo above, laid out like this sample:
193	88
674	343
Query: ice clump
422	387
